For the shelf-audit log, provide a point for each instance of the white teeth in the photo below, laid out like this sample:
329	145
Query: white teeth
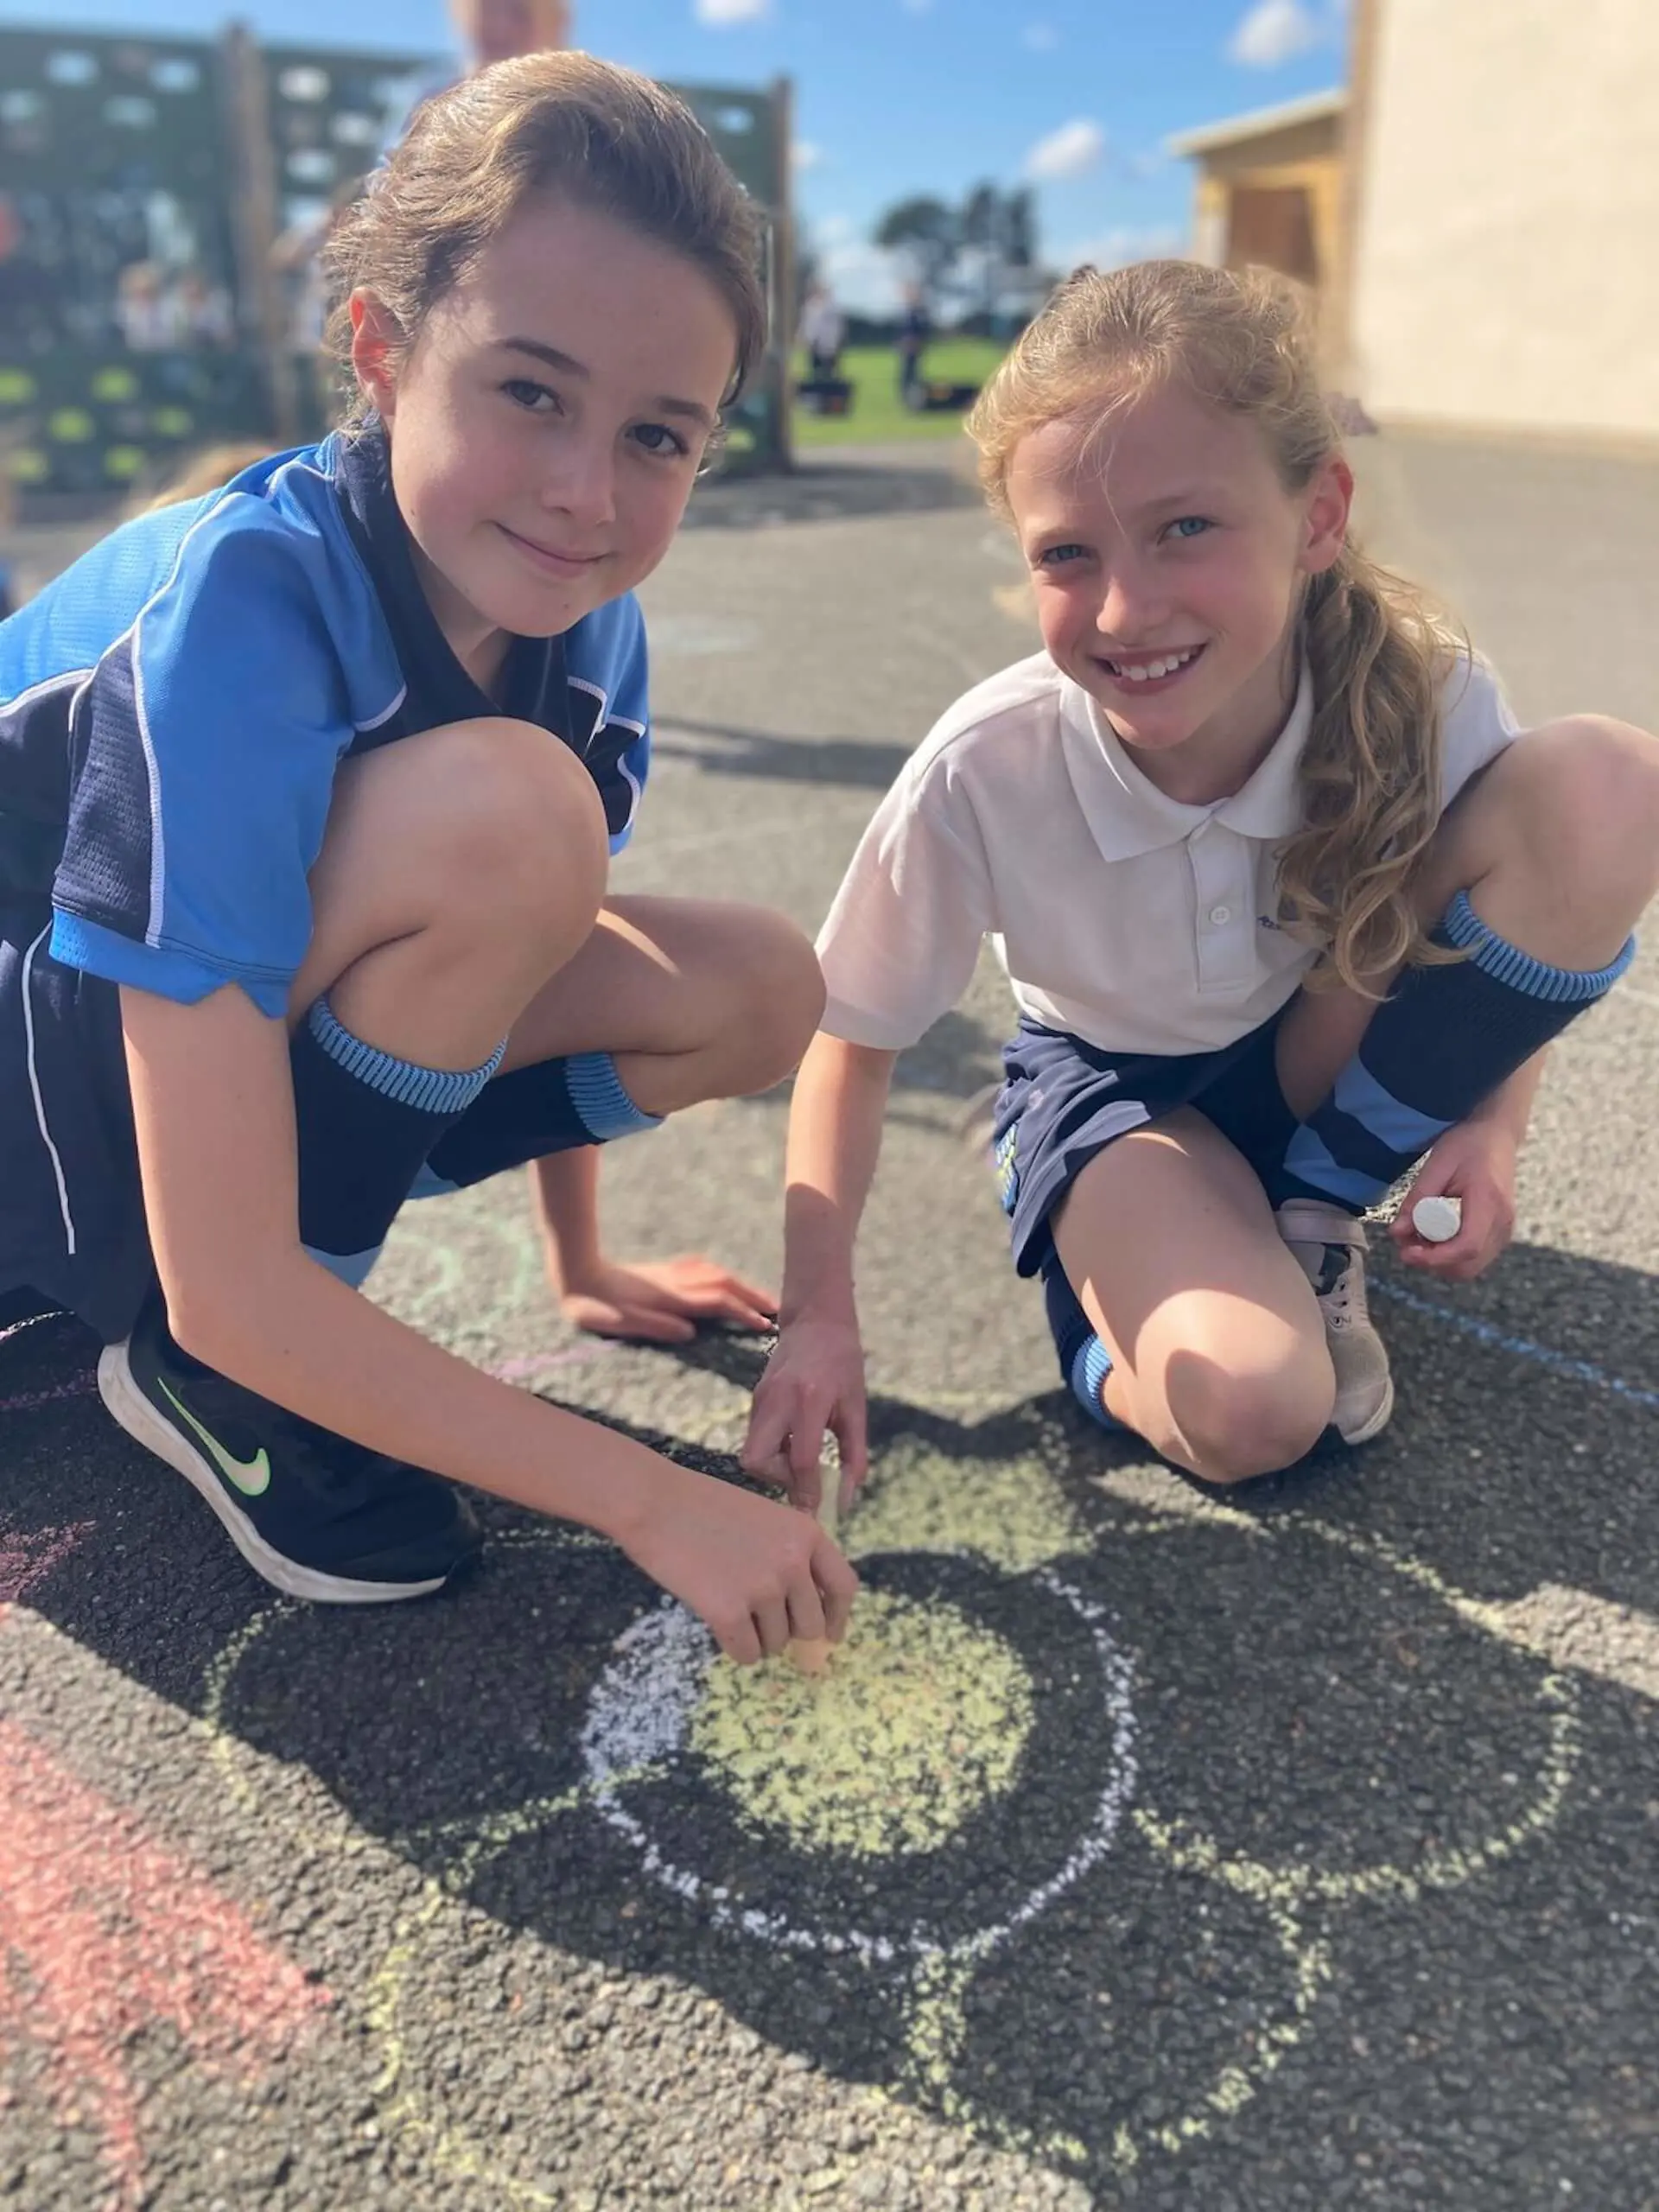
1148	671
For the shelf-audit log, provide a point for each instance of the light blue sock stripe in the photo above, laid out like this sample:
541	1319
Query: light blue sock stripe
432	1091
352	1268
1089	1369
1536	979
596	1092
1309	1158
1402	1127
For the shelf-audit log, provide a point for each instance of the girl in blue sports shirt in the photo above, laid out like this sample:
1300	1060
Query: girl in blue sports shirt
307	794
1285	896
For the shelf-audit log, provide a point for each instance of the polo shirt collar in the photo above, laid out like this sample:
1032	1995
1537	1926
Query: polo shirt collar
533	685
1127	813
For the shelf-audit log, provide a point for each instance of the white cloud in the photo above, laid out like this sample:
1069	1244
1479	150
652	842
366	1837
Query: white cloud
861	276
720	15
1115	249
805	154
1274	31
1069	151
1041	38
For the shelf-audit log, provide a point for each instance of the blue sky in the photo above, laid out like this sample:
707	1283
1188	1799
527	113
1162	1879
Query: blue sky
896	96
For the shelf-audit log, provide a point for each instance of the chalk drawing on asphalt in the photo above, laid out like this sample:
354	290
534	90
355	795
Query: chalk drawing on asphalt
106	1933
29	1556
668	1724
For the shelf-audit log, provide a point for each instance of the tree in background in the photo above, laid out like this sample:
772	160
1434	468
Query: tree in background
999	240
927	235
983	254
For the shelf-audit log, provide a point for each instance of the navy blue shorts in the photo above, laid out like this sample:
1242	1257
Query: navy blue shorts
72	1218
71	1215
1063	1101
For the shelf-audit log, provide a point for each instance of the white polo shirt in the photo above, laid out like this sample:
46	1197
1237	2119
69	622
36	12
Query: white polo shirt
1131	919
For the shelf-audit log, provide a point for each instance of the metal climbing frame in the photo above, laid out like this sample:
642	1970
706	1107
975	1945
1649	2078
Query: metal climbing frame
144	184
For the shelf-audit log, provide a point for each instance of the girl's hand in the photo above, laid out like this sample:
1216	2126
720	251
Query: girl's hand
814	1381
761	1576
660	1301
1474	1163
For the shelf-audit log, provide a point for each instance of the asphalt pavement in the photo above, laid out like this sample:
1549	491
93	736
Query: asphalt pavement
1289	1847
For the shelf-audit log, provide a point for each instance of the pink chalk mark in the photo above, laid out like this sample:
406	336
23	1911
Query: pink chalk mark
104	1932
79	1386
29	1556
532	1369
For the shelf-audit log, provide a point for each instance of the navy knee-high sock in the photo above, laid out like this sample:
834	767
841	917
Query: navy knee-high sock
549	1106
1445	1040
365	1121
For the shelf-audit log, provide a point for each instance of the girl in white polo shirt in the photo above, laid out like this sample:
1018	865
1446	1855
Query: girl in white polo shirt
1285	896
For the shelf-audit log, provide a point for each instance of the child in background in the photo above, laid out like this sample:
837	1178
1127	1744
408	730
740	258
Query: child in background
1285	898
308	792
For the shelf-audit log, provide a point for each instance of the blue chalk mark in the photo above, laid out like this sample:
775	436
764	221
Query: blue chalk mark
1558	1363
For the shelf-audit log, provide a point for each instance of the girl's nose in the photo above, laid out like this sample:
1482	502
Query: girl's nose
582	481
1130	606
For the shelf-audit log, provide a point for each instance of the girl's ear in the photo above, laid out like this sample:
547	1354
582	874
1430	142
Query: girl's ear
377	343
1324	529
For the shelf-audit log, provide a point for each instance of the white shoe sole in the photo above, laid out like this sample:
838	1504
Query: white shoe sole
132	1409
1378	1422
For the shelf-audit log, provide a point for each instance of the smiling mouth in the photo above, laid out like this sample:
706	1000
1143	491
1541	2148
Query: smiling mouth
558	563
1156	670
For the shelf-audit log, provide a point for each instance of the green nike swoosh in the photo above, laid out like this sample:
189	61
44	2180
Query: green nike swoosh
251	1477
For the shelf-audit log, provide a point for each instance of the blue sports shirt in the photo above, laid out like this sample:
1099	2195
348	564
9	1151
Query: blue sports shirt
174	710
175	707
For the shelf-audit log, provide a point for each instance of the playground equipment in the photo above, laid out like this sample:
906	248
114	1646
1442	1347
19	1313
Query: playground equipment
936	396
145	183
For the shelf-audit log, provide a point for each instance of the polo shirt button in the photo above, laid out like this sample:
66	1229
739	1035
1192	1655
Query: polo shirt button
1221	915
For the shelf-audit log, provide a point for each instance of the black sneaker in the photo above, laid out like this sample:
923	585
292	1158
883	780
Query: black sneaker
316	1514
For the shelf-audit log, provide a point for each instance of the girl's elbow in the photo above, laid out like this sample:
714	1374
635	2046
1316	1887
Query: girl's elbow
220	1316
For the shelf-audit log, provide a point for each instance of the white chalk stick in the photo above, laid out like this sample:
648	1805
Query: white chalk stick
1437	1220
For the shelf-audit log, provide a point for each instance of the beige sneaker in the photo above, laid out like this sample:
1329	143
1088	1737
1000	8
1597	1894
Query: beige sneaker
1330	1248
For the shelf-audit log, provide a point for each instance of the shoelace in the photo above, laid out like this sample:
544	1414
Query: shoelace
1334	1290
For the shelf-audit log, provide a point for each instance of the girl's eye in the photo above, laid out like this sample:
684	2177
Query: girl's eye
1189	526
1055	556
658	438
525	392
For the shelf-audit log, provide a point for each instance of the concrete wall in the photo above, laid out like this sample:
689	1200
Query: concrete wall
1506	251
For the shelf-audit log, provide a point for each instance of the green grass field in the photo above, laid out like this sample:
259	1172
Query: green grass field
876	415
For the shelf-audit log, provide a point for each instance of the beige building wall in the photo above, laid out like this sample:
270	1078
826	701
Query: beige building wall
1506	249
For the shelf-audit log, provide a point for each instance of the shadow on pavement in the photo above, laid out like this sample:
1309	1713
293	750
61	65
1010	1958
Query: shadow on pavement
1279	1781
723	750
924	478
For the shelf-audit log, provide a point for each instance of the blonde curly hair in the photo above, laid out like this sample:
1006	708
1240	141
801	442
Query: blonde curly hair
1377	649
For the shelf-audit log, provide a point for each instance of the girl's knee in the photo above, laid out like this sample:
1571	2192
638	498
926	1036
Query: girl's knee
781	987
1585	792
1236	1424
519	828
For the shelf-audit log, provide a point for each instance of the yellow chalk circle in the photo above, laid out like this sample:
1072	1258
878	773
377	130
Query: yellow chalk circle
920	1718
1013	1513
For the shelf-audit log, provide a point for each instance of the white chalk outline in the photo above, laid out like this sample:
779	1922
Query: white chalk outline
664	1657
935	2018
